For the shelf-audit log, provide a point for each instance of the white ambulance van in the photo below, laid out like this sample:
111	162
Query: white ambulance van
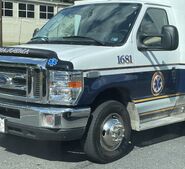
97	71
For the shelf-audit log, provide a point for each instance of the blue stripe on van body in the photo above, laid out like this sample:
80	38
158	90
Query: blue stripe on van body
138	85
181	81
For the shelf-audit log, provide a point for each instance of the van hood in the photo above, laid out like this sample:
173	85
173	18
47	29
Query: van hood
67	52
83	57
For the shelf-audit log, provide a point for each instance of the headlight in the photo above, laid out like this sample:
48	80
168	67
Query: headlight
65	87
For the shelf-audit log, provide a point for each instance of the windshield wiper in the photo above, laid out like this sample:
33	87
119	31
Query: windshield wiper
66	39
42	38
84	38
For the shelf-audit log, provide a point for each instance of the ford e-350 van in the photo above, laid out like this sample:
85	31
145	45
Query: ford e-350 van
96	71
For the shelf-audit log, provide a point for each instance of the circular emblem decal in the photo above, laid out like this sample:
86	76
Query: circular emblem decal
157	84
52	62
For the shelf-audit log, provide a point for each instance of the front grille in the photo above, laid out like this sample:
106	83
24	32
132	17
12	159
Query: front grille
37	84
21	83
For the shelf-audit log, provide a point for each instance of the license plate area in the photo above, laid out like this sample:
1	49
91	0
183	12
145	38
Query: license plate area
2	125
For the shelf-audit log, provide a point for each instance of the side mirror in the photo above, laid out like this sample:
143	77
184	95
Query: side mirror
168	40
35	31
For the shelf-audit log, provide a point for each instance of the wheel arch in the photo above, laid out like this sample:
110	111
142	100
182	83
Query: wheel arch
119	94
123	96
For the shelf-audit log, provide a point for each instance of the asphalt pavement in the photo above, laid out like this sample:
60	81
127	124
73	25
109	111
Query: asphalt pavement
160	148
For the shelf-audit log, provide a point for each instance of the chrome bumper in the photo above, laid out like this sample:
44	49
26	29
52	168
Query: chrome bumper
36	115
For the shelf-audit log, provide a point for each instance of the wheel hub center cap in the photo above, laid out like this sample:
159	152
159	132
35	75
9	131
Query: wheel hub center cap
112	134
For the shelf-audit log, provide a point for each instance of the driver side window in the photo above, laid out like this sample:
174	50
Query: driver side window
152	23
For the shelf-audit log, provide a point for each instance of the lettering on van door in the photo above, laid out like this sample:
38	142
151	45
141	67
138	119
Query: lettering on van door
125	59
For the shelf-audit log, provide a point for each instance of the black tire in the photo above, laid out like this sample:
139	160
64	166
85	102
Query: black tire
93	145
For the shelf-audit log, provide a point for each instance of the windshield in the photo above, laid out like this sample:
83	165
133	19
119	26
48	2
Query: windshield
96	24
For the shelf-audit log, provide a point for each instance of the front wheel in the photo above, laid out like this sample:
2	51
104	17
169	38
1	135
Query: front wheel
109	132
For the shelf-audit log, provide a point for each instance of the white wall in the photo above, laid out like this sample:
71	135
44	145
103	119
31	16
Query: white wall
20	30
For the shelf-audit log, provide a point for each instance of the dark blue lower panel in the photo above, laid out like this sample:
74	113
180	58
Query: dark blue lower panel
138	84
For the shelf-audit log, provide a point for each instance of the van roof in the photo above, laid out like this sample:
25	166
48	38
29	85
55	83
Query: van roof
157	2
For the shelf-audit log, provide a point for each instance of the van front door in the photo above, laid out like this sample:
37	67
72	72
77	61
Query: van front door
156	70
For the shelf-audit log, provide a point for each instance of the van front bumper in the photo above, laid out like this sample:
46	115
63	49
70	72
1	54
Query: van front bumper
44	133
44	122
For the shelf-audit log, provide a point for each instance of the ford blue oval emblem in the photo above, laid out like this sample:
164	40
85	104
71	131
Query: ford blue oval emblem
3	80
52	62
